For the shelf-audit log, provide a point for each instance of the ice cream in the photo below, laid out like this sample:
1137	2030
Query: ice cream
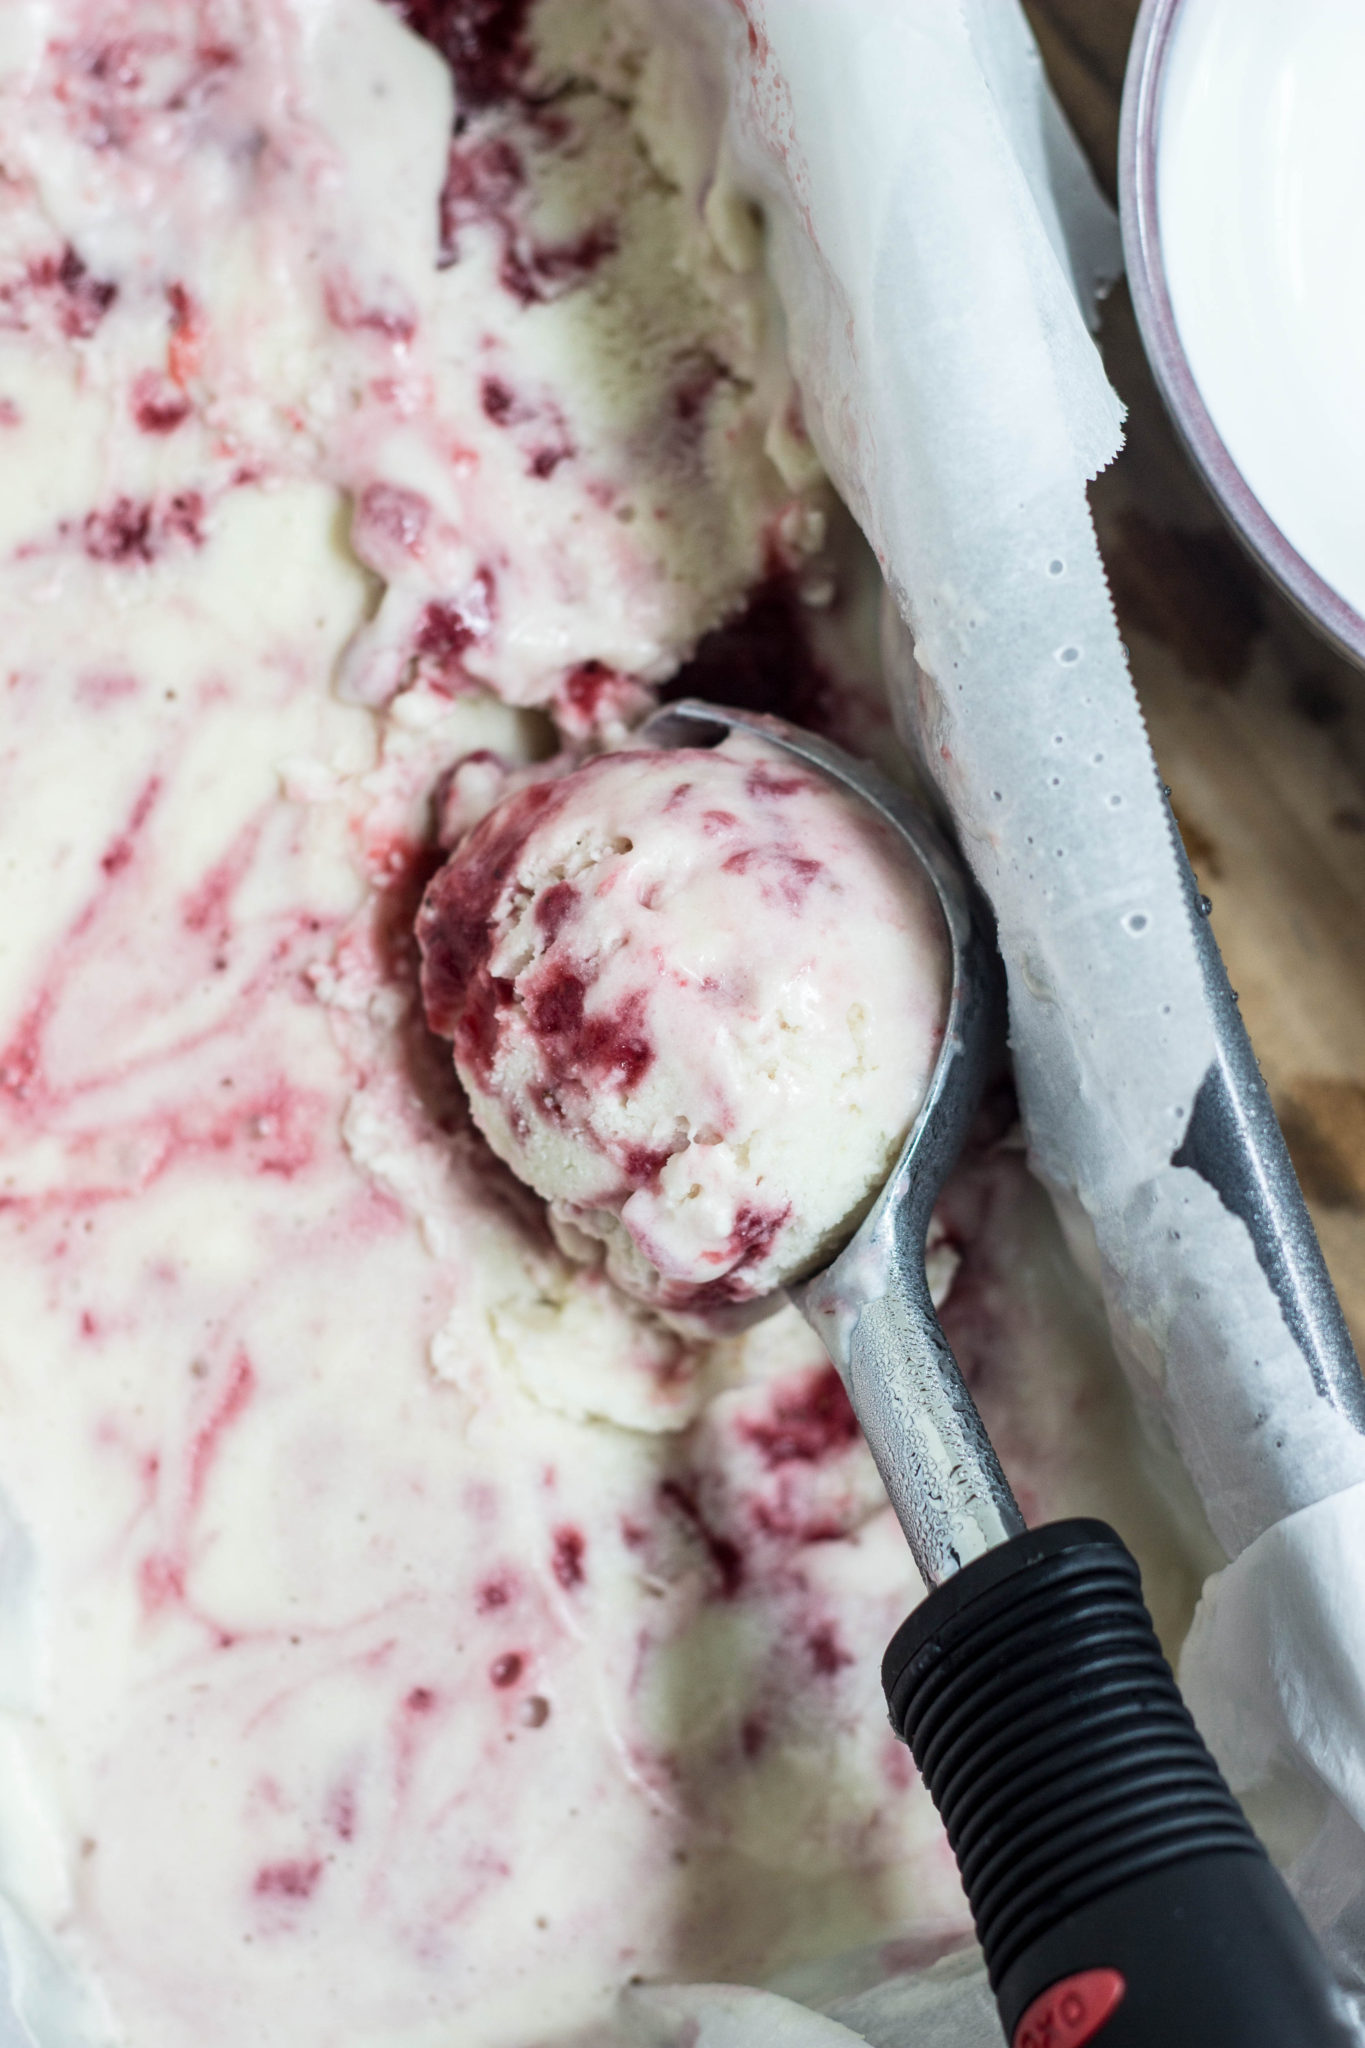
404	1636
695	999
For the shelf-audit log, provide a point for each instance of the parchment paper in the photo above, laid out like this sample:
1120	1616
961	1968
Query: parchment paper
934	237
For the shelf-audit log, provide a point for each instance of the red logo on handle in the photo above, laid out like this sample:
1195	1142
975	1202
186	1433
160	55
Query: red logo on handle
1072	2012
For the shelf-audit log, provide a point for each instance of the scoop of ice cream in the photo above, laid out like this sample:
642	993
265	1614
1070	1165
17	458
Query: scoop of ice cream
695	999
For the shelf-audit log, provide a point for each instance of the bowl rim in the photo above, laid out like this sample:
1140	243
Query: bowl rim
1139	135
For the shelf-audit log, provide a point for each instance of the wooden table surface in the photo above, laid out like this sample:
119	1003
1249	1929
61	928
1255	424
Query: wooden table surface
1258	727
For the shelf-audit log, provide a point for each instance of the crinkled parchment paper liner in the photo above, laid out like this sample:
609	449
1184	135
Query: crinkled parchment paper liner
932	228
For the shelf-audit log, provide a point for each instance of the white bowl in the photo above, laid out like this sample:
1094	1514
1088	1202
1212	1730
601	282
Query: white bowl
1242	197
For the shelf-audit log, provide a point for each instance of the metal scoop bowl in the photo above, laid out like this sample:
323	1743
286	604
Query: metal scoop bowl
1118	1892
871	1304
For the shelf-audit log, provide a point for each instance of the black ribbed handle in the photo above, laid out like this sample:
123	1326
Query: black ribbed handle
1116	1886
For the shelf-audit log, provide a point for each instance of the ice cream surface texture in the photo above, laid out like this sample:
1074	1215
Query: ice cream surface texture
405	1637
696	998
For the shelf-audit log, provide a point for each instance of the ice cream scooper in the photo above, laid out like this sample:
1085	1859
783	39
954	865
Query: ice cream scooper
1118	1892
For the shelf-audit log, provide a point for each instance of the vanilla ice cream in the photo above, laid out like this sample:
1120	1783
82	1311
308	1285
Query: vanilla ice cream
695	998
405	1636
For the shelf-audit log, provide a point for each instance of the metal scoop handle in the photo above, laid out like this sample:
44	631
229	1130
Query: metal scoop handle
1117	1889
1118	1892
